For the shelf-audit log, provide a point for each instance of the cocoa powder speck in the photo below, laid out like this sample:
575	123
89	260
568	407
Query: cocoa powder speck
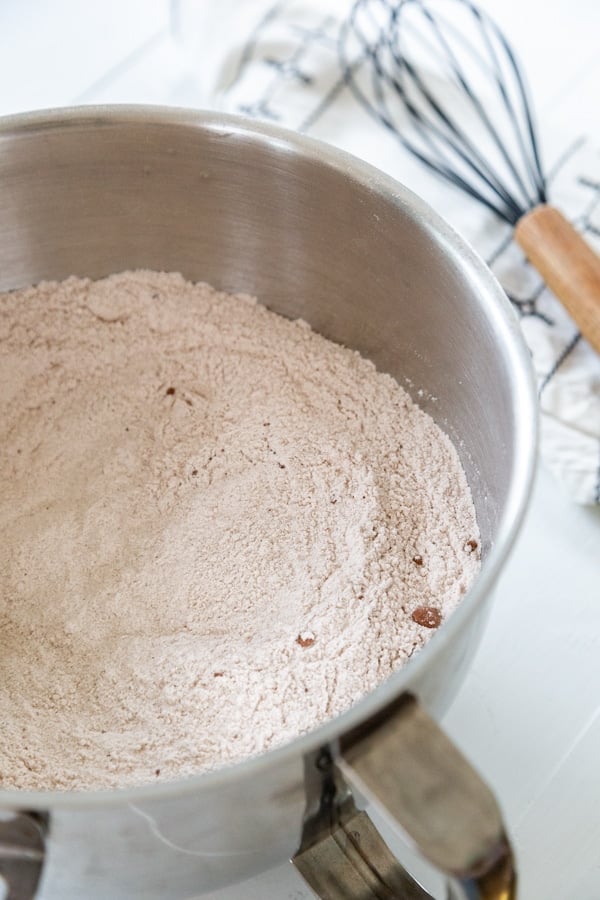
212	524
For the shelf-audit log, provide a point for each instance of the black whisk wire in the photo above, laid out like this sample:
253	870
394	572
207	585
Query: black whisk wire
477	106
530	152
455	137
429	128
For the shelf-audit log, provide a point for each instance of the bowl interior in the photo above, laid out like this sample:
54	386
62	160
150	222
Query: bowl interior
309	231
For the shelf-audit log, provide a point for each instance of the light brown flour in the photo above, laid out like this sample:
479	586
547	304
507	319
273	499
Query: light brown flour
215	528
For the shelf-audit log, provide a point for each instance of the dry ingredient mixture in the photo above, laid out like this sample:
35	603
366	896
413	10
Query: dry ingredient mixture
217	529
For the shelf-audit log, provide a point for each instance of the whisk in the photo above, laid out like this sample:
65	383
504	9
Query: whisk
442	77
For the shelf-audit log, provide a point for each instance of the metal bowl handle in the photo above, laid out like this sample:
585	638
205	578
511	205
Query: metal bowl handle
22	846
402	761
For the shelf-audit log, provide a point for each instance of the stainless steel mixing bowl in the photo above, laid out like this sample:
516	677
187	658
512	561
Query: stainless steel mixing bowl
313	233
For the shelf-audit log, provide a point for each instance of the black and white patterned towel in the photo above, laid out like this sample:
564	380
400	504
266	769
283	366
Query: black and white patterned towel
280	61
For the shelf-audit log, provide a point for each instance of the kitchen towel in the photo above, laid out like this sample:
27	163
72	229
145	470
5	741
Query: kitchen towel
280	62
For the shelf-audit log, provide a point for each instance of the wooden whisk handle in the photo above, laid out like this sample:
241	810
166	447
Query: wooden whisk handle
567	264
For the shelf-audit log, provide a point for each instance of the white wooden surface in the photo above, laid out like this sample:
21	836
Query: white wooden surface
529	712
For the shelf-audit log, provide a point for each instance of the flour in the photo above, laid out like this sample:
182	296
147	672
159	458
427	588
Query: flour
216	528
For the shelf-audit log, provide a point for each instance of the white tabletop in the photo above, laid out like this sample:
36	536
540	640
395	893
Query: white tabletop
528	714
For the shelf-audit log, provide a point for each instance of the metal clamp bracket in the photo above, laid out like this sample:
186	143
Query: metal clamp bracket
403	761
22	843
